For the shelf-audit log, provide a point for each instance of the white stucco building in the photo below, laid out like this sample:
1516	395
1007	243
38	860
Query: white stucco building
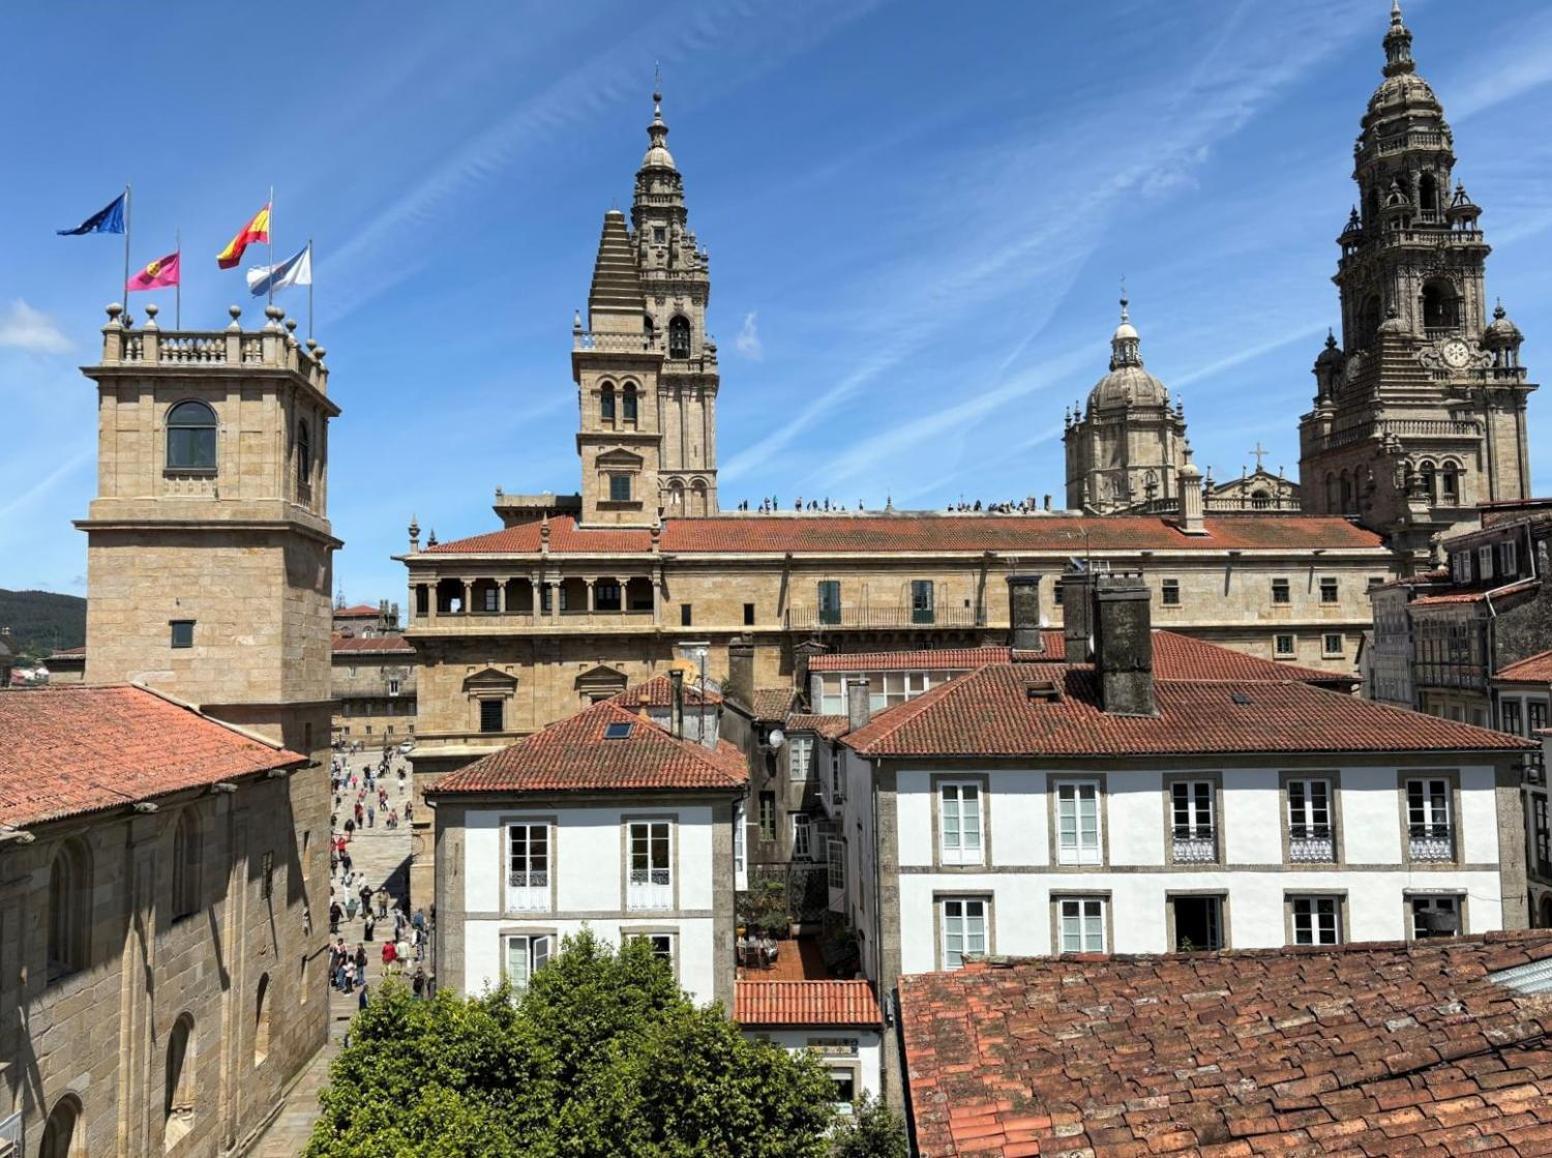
606	820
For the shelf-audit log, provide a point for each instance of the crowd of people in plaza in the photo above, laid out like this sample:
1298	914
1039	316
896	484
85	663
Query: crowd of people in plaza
363	796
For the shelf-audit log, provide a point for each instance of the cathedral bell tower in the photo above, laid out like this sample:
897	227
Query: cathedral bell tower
645	367
1419	412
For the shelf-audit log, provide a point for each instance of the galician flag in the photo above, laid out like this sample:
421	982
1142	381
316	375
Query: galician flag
295	270
255	231
161	272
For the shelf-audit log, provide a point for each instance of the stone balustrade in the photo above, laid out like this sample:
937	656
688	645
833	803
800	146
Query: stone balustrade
275	347
609	343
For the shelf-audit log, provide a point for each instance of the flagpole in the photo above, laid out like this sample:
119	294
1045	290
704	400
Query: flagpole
270	233
309	287
178	286
127	216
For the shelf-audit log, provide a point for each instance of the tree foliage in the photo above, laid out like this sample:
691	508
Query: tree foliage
875	1131
602	1055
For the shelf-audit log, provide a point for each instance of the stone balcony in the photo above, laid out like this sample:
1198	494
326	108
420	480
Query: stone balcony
274	347
874	617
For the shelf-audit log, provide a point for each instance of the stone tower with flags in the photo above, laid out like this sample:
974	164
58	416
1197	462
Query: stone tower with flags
1419	414
645	367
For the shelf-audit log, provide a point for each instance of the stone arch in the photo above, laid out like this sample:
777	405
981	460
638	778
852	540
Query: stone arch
70	909
679	337
191	435
1428	193
186	840
1450	472
1440	304
178	1102
675	497
630	406
699	502
63	1134
606	403
1546	911
1429	473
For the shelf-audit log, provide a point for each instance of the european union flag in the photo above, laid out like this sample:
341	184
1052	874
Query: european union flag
106	220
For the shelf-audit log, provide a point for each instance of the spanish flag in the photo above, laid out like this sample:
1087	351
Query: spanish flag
255	230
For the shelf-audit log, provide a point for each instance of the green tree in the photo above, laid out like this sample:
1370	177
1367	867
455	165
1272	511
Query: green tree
874	1131
602	1055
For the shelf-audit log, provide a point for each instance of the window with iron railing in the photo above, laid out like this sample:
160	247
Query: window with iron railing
1311	837
1194	837
528	867
650	875
1429	832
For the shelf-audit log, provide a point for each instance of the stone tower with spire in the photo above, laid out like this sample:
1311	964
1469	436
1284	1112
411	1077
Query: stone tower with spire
1419	412
1126	447
645	367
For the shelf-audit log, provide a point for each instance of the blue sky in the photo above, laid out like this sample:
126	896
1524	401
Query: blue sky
918	217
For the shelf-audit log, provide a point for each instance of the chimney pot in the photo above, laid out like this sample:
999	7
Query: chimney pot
1123	644
858	703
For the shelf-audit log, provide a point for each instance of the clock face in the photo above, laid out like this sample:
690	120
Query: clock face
1455	353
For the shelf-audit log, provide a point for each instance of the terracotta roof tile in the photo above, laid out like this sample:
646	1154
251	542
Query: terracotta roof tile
813	1003
1534	669
378	644
576	755
772	703
1175	656
359	611
1478	595
1363	1049
68	652
881	533
657	692
71	750
829	727
991	712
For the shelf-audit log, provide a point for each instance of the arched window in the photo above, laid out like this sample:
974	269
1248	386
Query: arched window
185	866
1373	207
676	497
679	336
304	457
630	403
1430	481
1449	484
63	1136
178	1102
606	403
1333	496
1347	493
69	916
191	437
261	1021
1369	319
1440	306
698	497
1428	193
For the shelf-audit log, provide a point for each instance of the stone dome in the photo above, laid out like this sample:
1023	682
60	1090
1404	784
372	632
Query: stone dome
1127	384
1403	89
657	156
1501	331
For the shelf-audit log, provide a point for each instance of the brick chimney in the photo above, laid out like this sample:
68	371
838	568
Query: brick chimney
1024	613
676	703
858	705
1123	644
1077	612
740	681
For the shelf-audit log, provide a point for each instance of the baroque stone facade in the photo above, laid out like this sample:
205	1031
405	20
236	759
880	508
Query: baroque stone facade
1419	412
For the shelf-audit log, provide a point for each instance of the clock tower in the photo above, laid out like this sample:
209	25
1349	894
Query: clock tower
1419	414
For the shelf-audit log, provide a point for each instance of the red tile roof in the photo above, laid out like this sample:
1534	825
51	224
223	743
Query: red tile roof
657	692
1175	656
900	533
1364	1049
378	644
1477	596
359	611
1534	669
827	726
68	652
72	750
990	712
813	1003
772	703
573	755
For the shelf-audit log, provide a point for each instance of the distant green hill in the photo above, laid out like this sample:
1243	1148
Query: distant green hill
41	621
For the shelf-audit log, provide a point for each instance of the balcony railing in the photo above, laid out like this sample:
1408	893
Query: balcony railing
1195	846
528	892
1311	844
811	618
608	343
1431	842
649	890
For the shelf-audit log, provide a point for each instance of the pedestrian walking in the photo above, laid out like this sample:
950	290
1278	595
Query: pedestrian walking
334	916
360	960
418	982
366	897
361	1001
371	816
401	952
369	923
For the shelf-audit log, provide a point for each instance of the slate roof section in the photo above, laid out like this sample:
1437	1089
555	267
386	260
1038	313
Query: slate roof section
657	692
1359	1049
72	750
371	644
805	1003
913	534
1535	669
575	755
992	712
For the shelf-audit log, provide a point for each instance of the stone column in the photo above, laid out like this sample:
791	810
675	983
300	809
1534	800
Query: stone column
590	595
501	595
468	595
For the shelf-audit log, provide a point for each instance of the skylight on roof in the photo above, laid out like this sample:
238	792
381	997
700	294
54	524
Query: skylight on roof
617	731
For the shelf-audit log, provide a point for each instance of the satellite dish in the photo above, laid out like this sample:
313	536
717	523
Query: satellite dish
776	739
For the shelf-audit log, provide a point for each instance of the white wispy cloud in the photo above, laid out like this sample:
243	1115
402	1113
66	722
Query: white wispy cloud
748	341
1493	79
24	328
83	454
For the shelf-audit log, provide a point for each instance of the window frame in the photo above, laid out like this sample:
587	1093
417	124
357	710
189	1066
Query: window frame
835	863
1172	933
765	815
1083	900
962	856
487	703
1169	593
1282	591
1333	794
1330	591
213	427
1293	645
1338	900
923	601
186	635
1410	900
802	849
800	770
1080	857
540	897
943	920
1329	652
1193	830
534	959
1450	779
620	490
652	894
